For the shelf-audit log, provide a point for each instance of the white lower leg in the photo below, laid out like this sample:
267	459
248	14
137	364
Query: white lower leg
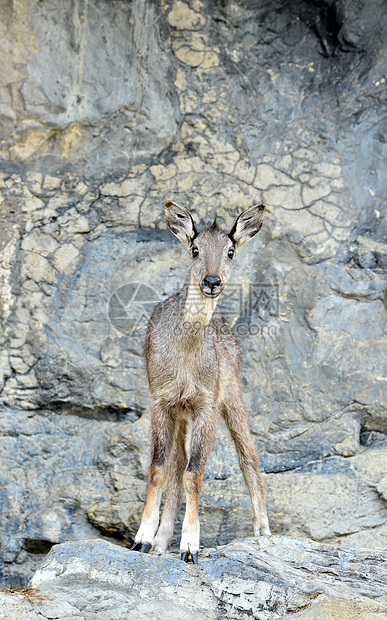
164	534
191	527
149	522
260	520
190	536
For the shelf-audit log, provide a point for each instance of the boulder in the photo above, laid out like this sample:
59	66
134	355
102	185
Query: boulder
265	578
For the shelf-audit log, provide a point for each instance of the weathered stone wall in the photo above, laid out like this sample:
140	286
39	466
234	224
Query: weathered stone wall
109	108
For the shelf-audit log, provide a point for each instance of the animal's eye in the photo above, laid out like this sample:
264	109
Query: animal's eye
195	252
231	253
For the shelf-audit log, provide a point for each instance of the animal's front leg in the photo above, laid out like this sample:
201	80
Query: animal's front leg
150	519
162	435
177	465
190	537
202	438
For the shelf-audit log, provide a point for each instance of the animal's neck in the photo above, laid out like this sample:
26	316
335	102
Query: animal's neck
198	309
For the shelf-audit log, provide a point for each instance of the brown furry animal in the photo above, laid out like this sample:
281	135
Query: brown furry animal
192	361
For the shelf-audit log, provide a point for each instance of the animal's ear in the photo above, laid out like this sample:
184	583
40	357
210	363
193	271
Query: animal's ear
180	223
247	225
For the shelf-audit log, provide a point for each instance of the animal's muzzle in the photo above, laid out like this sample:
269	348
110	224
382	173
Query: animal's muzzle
211	285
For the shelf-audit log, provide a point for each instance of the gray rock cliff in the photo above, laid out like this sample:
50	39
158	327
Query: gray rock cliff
107	109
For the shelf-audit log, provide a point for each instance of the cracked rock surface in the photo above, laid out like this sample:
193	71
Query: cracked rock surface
107	109
265	578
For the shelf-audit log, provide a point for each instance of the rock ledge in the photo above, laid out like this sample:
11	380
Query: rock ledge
266	578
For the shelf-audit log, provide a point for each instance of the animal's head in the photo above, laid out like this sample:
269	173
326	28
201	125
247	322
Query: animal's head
213	250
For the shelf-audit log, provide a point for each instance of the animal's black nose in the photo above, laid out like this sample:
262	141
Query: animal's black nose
212	282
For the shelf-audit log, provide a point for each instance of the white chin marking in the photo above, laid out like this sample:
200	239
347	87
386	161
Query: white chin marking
210	295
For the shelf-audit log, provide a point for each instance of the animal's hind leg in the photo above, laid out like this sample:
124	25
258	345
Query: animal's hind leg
162	437
236	418
177	465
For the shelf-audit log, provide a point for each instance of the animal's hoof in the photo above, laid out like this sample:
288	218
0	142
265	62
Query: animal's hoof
141	547
188	557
